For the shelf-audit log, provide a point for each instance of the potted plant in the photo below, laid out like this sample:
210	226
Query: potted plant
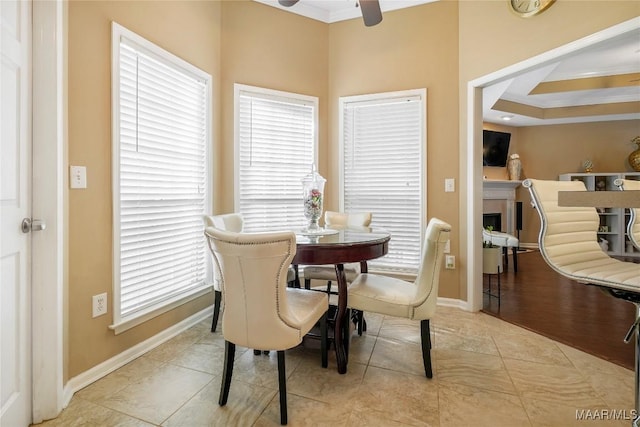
491	255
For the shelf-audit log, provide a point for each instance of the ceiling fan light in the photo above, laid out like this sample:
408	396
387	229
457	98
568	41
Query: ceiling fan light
287	3
371	13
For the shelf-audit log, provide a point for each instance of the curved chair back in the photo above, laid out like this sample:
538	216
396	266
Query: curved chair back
228	222
362	219
568	239
436	236
254	282
633	226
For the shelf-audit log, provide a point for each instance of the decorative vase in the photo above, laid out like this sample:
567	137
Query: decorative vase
313	194
634	157
514	167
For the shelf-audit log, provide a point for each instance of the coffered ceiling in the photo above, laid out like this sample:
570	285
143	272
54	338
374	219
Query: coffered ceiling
599	83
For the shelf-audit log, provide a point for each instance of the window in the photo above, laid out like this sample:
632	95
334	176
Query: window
382	169
276	146
161	138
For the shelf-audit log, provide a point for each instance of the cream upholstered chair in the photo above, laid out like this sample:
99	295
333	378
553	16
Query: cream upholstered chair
351	270
505	241
261	311
568	242
328	272
229	222
399	298
633	226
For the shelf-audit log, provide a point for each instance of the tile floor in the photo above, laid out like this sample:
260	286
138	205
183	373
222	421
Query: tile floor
486	373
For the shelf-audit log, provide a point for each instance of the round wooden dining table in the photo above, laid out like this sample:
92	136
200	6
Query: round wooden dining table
338	246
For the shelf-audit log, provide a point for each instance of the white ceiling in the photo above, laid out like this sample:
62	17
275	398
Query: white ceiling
620	55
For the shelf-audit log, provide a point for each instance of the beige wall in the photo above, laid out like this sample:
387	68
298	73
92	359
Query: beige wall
412	48
266	47
190	30
438	46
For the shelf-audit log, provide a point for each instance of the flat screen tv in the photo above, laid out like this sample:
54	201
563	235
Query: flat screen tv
495	148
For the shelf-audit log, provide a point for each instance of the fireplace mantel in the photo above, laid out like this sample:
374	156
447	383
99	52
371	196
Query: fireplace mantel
504	190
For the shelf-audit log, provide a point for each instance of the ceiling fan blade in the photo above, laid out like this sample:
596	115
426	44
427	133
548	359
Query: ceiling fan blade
287	3
371	13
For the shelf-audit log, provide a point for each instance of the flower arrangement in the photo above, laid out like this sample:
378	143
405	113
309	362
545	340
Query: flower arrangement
313	204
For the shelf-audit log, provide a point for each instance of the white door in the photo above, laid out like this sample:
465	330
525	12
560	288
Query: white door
15	205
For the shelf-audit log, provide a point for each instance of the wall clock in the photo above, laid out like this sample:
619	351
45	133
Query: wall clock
526	8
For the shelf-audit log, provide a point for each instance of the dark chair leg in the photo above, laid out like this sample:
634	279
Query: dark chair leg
329	286
324	340
229	354
282	382
307	283
505	255
217	296
515	259
425	338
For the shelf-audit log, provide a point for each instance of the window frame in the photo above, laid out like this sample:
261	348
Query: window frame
373	98
256	91
122	323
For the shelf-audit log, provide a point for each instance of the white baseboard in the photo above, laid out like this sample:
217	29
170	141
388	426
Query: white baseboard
451	302
84	379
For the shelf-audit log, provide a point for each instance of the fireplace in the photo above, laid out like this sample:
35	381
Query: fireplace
492	220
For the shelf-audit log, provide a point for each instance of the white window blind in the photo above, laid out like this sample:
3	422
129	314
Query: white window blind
275	149
382	169
161	177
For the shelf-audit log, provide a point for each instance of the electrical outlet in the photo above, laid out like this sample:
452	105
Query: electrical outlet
447	247
99	304
449	185
78	176
450	262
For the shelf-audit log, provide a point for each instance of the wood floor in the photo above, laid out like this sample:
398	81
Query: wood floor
578	315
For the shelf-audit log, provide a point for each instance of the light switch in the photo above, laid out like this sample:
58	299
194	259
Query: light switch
449	185
78	176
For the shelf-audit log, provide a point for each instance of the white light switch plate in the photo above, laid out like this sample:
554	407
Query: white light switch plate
78	176
449	185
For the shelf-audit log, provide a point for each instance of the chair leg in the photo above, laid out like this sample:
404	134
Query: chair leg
307	283
324	340
505	255
328	286
282	383
425	338
515	259
229	354
217	297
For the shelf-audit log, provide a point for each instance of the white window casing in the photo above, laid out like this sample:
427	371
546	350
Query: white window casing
275	147
161	179
383	169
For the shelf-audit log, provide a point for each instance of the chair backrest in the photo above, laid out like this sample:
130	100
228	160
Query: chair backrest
253	270
567	234
428	278
633	226
226	222
347	219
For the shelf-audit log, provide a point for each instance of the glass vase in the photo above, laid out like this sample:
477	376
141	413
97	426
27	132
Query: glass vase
313	195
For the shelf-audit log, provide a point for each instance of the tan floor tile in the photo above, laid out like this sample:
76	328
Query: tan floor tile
244	405
399	356
325	384
305	412
403	398
156	397
262	370
562	384
553	414
472	369
131	373
533	348
468	406
400	329
207	358
361	347
83	413
451	339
